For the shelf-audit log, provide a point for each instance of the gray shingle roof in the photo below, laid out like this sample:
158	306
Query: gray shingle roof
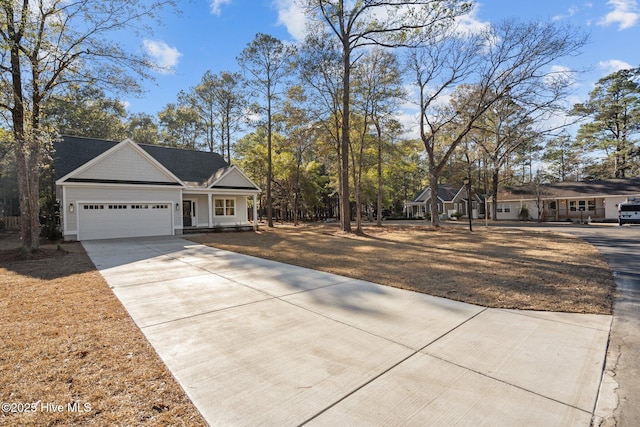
599	188
72	152
446	192
193	167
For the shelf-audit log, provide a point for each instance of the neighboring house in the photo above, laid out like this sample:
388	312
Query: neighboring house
566	201
450	201
109	189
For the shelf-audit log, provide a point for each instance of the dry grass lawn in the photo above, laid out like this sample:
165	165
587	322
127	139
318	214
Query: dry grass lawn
496	267
71	355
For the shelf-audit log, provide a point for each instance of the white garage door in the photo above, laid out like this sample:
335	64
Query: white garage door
110	220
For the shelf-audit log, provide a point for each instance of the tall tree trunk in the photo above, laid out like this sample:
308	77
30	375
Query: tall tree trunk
297	187
345	220
269	164
228	120
433	183
495	175
27	159
379	201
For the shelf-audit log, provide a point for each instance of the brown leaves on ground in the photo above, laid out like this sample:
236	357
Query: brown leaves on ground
502	267
71	355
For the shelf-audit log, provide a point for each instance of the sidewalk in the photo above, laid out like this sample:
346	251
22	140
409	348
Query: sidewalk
259	342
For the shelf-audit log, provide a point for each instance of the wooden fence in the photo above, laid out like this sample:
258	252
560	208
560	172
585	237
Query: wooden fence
10	222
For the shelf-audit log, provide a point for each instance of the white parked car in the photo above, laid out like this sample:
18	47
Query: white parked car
629	211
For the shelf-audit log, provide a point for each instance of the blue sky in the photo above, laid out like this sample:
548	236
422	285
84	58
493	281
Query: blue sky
209	35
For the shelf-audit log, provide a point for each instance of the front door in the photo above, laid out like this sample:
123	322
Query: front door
188	213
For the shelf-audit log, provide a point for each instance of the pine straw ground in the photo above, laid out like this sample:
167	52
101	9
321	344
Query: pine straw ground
498	267
71	355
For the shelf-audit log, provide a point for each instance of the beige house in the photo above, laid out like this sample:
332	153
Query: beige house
109	189
566	201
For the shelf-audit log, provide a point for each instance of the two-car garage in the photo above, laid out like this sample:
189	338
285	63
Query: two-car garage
104	220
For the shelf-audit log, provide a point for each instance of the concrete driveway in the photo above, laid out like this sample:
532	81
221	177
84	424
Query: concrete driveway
259	342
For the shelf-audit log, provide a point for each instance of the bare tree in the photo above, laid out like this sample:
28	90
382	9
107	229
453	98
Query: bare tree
499	132
507	60
357	25
47	44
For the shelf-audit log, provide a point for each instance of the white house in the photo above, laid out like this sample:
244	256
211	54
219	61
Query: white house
109	189
566	201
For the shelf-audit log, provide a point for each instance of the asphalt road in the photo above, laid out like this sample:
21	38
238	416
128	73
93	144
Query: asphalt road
621	248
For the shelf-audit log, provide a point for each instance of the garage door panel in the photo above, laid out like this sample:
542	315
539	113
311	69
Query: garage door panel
113	220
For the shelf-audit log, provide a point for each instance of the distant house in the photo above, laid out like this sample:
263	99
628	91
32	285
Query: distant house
451	200
566	201
108	189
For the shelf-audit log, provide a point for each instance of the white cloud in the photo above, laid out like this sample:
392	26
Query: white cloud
292	17
165	57
216	6
613	65
470	23
571	12
625	13
559	74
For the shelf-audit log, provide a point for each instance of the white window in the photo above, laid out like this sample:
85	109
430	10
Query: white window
504	207
225	207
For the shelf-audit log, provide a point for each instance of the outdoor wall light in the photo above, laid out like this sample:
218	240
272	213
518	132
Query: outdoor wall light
177	207
71	207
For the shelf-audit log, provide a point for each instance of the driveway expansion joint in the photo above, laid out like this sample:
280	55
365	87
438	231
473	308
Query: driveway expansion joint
350	342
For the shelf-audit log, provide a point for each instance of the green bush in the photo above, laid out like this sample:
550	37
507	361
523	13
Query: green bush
524	213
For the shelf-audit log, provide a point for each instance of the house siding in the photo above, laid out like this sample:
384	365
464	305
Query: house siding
611	206
202	208
125	164
233	179
513	209
600	208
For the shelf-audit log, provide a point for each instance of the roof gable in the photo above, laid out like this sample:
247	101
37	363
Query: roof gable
72	152
124	162
233	178
446	193
142	162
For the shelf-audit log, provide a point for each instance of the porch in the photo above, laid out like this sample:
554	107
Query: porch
214	211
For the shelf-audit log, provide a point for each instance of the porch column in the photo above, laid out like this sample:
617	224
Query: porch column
255	212
210	203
